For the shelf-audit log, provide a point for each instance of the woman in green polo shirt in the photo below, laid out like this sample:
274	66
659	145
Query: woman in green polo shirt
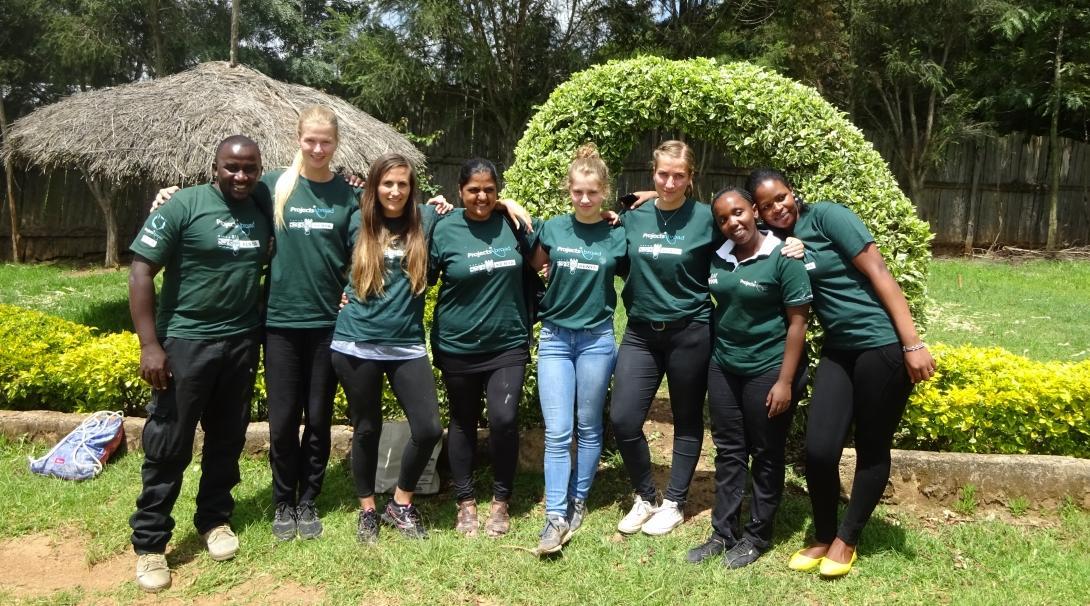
757	375
480	337
576	348
380	332
870	359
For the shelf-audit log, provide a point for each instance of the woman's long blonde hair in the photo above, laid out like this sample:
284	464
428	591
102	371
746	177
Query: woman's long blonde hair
589	162
374	238
317	115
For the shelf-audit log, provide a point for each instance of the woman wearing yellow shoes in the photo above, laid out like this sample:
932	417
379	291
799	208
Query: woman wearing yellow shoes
870	359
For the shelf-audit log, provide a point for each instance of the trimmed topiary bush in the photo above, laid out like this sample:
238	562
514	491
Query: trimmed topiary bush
757	116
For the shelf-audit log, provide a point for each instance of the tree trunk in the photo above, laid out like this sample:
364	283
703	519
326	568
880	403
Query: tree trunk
104	194
1054	147
234	32
974	202
155	31
9	179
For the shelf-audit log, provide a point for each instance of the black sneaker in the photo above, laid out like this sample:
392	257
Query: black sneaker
714	546
306	517
577	510
405	518
367	527
284	524
742	554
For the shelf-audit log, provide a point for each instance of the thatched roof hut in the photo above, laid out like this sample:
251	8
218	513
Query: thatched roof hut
165	130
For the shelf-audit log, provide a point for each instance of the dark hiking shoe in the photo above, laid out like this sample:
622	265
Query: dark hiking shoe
742	554
306	516
714	546
367	527
577	510
406	519
284	525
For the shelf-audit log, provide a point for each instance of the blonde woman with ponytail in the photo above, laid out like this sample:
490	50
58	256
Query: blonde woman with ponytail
311	209
576	350
380	332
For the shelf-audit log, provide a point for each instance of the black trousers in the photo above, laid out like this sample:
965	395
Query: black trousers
869	389
212	384
503	391
741	430
414	385
301	384
645	355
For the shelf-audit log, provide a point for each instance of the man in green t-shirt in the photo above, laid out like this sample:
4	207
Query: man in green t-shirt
198	350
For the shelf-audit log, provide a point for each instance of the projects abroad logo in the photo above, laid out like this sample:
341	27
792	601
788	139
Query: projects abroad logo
150	237
494	251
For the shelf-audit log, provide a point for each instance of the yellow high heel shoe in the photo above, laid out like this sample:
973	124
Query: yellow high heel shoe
803	563
831	569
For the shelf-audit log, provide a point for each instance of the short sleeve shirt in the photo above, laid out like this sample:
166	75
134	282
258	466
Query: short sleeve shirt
583	260
213	252
751	297
669	253
310	265
480	307
844	298
397	316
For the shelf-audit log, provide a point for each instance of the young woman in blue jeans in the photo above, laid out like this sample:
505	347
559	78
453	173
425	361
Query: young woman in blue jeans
576	350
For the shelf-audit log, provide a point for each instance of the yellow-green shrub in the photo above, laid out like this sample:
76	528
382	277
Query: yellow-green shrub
990	400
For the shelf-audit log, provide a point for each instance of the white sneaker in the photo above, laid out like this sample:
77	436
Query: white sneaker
152	572
666	517
632	522
222	542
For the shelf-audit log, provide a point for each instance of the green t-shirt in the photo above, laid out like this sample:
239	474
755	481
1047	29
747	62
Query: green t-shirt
213	252
310	264
751	298
396	317
669	253
844	299
480	308
583	259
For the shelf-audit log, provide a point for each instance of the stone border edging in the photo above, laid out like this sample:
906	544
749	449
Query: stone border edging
918	477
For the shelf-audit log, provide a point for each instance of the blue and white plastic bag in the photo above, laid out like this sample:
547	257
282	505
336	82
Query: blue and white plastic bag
81	454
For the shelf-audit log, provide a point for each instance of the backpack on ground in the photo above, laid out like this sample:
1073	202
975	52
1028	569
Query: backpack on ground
81	454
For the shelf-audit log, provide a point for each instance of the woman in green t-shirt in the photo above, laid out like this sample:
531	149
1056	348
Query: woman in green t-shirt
670	245
757	375
576	349
480	337
380	332
870	359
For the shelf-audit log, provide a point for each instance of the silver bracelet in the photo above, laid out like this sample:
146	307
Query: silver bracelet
915	347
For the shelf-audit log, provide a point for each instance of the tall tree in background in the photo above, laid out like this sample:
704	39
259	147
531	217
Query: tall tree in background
493	58
1047	57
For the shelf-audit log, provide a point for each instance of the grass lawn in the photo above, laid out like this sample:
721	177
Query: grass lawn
905	558
1037	309
95	296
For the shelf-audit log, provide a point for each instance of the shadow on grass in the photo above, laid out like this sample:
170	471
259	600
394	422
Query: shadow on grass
107	316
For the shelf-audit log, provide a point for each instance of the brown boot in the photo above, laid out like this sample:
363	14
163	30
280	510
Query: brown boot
499	522
467	523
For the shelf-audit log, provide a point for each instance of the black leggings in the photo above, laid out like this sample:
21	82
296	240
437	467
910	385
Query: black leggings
414	385
869	388
742	429
503	390
646	354
300	382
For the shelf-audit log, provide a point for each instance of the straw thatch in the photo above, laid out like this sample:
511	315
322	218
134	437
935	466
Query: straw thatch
166	130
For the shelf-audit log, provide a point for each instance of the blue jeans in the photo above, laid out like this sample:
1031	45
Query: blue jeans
573	372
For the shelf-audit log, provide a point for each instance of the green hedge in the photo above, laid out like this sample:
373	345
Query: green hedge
53	364
757	116
992	401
